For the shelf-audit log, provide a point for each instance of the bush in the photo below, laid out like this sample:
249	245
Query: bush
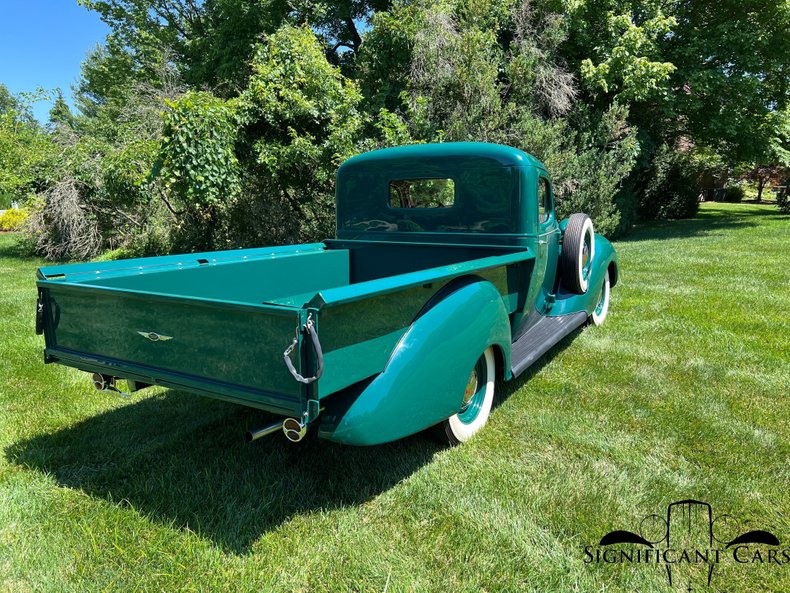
13	219
61	226
588	173
783	200
732	193
671	191
300	119
198	168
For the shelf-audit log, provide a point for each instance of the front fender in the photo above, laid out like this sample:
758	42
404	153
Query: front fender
424	380
605	258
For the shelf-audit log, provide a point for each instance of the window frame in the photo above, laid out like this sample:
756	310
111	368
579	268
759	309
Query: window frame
550	195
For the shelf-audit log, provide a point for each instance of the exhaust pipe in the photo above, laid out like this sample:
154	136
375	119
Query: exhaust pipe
254	435
106	383
294	430
102	382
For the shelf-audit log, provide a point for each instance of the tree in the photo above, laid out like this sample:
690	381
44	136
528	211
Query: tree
628	68
766	174
617	97
300	119
213	40
26	152
494	72
732	74
198	167
60	114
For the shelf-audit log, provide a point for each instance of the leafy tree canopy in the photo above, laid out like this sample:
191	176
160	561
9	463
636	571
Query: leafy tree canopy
203	123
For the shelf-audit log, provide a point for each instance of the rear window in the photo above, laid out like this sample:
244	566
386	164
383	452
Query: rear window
422	193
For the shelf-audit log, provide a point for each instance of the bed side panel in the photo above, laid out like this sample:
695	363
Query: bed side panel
359	337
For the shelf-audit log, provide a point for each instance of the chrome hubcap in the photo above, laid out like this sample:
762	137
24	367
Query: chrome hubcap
471	388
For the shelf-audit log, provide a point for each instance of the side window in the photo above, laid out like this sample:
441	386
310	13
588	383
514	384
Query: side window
544	200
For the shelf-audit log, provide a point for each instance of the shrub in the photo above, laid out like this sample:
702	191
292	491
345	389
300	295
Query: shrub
61	226
671	191
588	171
732	193
197	159
300	119
197	167
783	200
13	219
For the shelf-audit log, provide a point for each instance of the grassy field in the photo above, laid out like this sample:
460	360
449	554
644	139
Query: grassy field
683	393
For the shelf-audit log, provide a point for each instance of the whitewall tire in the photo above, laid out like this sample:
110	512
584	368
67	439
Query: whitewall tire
602	307
477	403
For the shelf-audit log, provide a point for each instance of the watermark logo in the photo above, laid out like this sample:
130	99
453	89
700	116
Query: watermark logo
689	542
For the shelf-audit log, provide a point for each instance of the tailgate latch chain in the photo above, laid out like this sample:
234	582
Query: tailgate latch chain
311	331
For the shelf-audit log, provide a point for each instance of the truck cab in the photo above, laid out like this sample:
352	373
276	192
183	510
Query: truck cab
465	193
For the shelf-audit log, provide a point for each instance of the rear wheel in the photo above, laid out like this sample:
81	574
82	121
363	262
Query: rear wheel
477	402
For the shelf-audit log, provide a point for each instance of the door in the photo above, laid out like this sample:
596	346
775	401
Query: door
548	242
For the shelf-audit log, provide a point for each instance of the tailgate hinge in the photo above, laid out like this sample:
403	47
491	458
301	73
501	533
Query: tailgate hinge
40	313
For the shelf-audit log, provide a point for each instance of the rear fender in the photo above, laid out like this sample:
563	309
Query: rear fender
425	377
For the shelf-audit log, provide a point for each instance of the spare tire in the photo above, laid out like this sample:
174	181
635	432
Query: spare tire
578	250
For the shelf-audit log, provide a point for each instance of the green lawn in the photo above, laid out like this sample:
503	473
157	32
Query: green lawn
683	393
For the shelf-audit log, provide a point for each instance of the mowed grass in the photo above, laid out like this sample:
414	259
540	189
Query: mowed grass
683	393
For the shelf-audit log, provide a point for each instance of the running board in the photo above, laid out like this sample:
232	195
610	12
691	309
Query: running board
539	339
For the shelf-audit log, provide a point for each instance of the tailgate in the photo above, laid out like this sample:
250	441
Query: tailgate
225	349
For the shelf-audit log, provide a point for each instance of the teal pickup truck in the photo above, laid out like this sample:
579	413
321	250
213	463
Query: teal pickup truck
449	270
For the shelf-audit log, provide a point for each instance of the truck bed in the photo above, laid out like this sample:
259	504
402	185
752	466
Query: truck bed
222	320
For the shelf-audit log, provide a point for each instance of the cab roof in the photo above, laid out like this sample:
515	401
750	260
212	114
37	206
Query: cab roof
487	154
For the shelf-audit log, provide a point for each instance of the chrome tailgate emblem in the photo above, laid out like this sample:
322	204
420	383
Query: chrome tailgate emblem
155	337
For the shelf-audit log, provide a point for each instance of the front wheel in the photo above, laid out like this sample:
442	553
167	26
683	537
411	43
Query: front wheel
477	402
602	308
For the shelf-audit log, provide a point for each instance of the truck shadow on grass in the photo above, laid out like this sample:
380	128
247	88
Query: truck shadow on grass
182	461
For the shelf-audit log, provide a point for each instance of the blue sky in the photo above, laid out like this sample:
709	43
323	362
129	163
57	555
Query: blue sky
43	43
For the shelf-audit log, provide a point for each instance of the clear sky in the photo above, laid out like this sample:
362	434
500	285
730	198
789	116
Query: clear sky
43	43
